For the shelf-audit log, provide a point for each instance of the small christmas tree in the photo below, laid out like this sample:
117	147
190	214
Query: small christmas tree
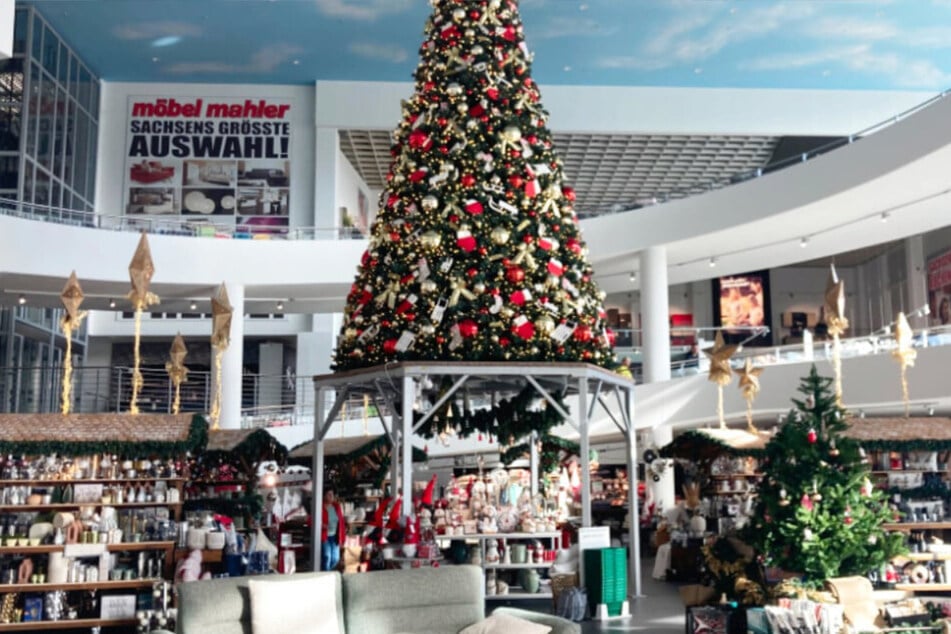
817	512
475	254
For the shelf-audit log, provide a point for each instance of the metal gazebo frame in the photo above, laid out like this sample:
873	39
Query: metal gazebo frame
393	389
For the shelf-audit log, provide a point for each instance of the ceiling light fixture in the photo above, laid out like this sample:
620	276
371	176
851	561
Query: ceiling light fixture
193	305
280	305
21	300
804	242
112	303
713	262
633	276
885	216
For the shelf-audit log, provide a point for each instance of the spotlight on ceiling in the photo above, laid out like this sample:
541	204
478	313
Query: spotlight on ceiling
804	242
633	276
931	411
112	303
21	300
193	305
280	305
713	262
885	216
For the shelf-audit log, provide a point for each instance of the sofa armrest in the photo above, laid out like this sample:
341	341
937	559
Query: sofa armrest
557	624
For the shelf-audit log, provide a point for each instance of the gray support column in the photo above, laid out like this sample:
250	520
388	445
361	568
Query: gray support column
585	451
316	513
325	180
634	530
406	439
917	280
533	461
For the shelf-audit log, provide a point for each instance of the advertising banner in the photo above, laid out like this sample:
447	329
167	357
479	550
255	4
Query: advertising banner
742	300
214	161
939	289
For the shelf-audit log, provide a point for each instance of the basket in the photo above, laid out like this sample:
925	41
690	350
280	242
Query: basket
561	582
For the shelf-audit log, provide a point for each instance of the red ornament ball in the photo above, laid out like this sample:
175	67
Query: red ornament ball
468	328
467	180
389	346
569	193
812	436
514	274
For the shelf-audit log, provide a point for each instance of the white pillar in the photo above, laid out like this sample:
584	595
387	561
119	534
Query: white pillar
655	320
232	363
916	275
325	180
655	340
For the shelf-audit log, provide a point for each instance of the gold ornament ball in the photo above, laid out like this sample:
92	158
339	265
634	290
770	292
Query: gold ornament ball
358	319
472	124
458	14
477	49
429	203
350	333
500	235
454	90
469	33
428	286
428	329
357	352
544	325
431	239
507	313
552	280
512	134
535	350
462	108
478	287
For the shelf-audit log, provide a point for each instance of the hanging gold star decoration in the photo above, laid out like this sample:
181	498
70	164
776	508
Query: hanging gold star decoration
837	324
720	370
72	296
905	354
749	388
176	369
141	270
221	314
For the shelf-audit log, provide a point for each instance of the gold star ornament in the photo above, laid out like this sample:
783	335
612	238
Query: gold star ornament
904	353
749	380
72	296
141	270
835	304
720	371
221	312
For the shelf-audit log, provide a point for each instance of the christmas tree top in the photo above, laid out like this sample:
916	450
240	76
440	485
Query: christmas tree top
475	254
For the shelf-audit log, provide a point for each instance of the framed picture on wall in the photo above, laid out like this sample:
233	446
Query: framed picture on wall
741	302
939	289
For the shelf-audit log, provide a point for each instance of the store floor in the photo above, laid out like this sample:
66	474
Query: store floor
659	611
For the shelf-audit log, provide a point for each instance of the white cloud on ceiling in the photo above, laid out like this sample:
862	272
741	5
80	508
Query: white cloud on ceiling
903	72
564	26
380	52
263	61
153	30
848	28
366	10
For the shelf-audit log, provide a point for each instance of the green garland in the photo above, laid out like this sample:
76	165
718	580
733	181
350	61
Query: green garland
257	447
196	441
912	444
549	458
697	446
509	418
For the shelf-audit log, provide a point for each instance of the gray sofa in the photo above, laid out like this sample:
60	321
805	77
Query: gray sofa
439	600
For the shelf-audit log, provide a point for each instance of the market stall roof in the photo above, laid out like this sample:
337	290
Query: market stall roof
77	434
349	447
707	444
930	433
257	441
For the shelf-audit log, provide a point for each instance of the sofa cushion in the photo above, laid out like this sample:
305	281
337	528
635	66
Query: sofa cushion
223	606
425	600
505	624
305	605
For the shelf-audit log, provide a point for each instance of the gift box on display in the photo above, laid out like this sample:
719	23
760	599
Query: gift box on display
707	619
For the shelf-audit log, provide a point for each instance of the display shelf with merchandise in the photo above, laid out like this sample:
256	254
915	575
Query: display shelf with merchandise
516	573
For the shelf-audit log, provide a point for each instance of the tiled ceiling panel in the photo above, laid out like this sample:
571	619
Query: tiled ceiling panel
610	172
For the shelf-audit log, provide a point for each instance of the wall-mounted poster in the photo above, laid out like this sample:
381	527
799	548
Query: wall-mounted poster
222	161
742	301
939	289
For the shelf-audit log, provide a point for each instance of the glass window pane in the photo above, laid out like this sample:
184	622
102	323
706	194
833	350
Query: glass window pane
84	87
50	50
63	70
27	195
74	76
21	24
47	118
94	98
41	188
91	164
59	131
9	172
37	37
69	140
11	104
55	190
80	151
36	90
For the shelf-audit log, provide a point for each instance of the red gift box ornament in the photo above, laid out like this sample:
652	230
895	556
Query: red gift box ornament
419	139
468	328
523	327
555	267
474	207
547	244
519	298
418	175
465	240
406	304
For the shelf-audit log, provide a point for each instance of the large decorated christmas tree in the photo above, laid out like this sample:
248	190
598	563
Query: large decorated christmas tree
817	512
475	253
